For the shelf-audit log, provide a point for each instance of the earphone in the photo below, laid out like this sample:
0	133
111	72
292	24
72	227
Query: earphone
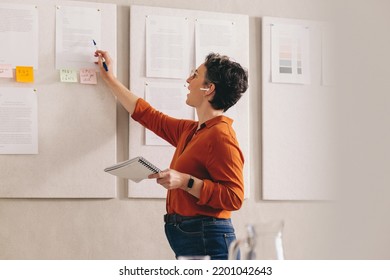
204	88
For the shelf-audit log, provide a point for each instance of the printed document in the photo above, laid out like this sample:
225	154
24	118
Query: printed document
19	35
170	99
18	121
167	47
218	36
76	28
290	54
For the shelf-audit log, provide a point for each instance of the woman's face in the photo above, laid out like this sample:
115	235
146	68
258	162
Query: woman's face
196	86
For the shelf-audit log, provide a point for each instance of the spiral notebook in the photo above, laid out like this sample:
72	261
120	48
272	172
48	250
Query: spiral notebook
135	169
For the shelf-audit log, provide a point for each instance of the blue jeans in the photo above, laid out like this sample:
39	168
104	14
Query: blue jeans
201	236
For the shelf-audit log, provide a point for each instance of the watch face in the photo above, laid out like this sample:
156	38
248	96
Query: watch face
190	183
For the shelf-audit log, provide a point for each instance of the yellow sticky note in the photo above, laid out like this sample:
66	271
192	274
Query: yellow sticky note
68	76
24	74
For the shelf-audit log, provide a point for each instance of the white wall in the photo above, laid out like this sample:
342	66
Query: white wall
123	228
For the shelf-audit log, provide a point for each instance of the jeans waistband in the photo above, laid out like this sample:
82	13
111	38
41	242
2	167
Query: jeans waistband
176	218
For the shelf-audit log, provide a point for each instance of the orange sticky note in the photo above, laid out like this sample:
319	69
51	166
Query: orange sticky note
24	74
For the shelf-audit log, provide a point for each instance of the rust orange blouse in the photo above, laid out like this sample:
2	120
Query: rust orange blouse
211	153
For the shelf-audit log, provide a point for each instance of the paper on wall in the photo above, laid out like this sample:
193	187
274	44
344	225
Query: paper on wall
76	28
290	54
19	35
217	36
18	121
167	47
170	99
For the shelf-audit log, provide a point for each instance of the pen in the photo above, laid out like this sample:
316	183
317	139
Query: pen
104	62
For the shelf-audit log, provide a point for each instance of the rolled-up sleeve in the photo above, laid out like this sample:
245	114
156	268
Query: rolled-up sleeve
225	164
161	124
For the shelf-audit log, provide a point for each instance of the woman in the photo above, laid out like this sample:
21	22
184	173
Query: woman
205	179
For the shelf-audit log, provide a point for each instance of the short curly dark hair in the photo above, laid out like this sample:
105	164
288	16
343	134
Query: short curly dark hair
229	78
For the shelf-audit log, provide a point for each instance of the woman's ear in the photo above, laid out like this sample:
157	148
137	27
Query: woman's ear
210	89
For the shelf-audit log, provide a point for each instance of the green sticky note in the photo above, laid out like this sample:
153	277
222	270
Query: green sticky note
68	76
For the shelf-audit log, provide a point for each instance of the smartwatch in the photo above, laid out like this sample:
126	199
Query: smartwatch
190	183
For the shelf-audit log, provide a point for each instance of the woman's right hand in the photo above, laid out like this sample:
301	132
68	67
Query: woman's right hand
104	56
122	93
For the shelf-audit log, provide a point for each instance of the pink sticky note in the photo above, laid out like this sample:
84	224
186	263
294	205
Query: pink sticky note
6	71
88	76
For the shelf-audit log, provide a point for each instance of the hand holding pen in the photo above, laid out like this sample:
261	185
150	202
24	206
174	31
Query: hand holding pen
108	75
99	55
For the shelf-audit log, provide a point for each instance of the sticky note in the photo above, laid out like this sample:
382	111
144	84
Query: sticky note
6	71
88	76
68	76
24	74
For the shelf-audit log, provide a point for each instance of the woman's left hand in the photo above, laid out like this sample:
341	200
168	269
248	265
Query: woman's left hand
170	179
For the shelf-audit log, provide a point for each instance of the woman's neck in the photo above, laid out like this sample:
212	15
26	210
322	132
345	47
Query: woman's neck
207	114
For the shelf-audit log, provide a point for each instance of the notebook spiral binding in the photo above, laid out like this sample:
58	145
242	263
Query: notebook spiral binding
149	165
